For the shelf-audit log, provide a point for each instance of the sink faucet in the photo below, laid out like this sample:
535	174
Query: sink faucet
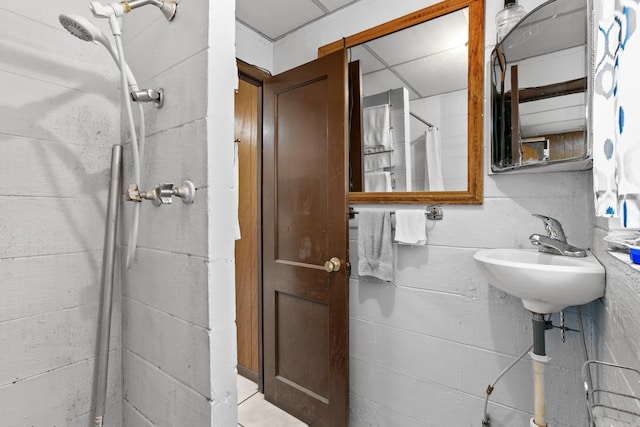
555	242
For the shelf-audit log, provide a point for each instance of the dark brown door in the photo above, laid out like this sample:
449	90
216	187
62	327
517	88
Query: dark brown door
305	225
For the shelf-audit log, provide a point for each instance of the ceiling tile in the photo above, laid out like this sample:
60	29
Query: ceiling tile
274	18
439	73
336	4
382	81
421	40
368	62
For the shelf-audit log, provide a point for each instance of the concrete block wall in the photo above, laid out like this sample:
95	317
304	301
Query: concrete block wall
423	349
59	117
615	317
179	343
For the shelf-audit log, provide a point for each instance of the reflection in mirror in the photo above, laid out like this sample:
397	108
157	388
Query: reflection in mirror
414	108
427	67
540	96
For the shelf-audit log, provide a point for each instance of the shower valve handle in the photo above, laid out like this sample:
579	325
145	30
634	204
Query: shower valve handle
164	194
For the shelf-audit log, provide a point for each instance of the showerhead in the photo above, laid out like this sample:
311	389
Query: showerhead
83	29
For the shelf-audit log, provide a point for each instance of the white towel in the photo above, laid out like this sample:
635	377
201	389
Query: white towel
377	182
375	248
376	126
376	161
433	161
411	227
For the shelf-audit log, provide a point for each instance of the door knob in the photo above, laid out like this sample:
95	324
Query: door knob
332	265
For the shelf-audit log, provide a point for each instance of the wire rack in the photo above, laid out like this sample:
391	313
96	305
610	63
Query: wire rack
611	393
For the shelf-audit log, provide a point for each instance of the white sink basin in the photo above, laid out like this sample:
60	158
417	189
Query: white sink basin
546	283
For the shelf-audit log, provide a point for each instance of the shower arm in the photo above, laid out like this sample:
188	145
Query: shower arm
111	10
137	3
168	8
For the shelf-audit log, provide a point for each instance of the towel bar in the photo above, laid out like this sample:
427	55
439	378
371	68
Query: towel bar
433	213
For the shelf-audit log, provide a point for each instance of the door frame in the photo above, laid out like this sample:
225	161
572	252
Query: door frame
255	76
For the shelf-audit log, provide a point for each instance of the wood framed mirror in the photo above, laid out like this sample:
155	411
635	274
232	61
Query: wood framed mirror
433	69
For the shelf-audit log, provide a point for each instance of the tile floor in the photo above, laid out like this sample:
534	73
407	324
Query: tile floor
254	411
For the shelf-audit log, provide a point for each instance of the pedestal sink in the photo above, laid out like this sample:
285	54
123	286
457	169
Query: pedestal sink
546	283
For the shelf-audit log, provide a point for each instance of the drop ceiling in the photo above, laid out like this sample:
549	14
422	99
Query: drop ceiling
427	59
274	19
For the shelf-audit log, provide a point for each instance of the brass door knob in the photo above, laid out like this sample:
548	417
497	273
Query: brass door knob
332	265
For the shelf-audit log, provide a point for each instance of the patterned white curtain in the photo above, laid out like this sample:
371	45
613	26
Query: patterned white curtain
616	112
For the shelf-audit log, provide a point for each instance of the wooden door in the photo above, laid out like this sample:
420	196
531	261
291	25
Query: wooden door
304	225
246	250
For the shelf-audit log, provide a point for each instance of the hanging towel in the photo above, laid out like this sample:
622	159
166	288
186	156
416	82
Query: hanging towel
411	227
376	126
377	181
377	161
375	250
433	160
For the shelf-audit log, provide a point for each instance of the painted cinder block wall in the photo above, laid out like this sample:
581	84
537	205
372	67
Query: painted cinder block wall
52	198
179	337
59	117
60	108
424	349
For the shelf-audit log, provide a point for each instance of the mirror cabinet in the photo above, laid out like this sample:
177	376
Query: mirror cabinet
541	91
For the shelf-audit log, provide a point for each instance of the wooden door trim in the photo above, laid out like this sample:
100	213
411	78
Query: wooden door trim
255	76
251	73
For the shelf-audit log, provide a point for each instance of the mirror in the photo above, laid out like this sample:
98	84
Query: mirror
420	107
540	91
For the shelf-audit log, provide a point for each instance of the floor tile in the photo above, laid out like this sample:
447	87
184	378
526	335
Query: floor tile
246	389
257	412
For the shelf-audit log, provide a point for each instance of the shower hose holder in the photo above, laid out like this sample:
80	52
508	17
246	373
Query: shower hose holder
149	95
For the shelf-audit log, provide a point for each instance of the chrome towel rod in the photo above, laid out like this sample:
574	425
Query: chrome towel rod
433	213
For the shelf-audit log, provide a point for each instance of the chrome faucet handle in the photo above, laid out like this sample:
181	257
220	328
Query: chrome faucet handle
553	227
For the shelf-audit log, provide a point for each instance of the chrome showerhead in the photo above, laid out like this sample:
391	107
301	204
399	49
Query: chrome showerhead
82	28
85	30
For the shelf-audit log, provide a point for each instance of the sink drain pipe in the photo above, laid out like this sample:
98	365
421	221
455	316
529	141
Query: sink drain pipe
540	358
